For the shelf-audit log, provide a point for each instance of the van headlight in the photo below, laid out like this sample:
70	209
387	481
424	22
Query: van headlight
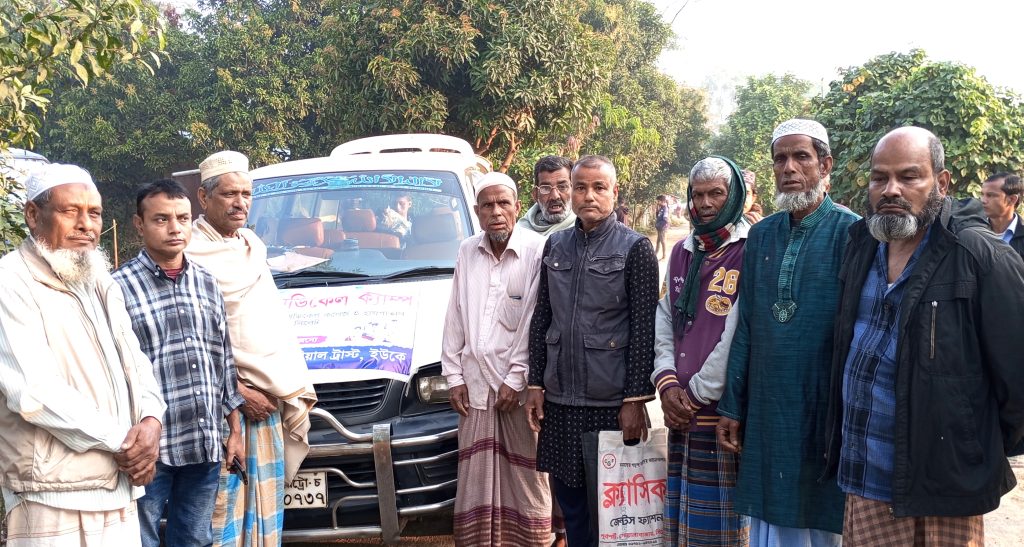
432	389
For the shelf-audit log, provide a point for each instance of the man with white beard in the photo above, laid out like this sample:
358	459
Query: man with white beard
927	388
81	413
777	381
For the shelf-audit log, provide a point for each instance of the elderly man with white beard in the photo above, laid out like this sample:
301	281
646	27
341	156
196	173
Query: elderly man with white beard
81	413
778	373
927	388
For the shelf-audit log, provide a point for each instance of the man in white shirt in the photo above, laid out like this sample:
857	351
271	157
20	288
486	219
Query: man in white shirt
81	411
502	499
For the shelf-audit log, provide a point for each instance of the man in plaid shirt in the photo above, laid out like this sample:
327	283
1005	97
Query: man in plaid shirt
178	315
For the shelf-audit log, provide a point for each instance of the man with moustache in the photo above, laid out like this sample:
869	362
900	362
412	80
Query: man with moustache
591	339
550	211
178	315
777	383
272	373
502	498
694	326
81	413
1001	196
927	387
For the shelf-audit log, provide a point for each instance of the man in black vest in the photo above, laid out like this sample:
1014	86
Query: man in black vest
591	338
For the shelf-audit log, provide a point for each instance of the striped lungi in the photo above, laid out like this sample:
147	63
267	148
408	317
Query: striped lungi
252	515
502	499
867	523
32	524
701	484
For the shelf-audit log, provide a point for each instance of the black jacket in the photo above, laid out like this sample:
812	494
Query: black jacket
1017	241
960	365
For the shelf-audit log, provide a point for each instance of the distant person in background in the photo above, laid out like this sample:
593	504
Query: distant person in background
1000	196
551	210
396	218
661	224
622	215
751	208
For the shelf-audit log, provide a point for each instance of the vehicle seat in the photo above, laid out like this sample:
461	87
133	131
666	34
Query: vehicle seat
434	237
361	224
305	234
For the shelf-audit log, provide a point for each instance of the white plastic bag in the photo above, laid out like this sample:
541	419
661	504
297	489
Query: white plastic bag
631	488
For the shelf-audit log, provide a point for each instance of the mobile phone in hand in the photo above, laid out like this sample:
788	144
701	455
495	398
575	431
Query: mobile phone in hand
239	469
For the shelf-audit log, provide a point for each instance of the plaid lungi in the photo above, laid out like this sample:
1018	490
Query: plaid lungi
867	523
252	515
502	499
701	483
31	524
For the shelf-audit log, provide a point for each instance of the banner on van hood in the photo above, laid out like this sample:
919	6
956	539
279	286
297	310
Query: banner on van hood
370	328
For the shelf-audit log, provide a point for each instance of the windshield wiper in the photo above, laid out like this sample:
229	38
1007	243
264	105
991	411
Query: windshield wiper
309	278
417	272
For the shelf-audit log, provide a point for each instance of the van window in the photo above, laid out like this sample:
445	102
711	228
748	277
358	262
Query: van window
365	222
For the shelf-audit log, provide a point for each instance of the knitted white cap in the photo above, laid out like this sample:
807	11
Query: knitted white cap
55	174
225	161
495	178
798	126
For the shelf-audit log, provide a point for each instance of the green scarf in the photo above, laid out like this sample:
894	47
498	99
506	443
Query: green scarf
709	237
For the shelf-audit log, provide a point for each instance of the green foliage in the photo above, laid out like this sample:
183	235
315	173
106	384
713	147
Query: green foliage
71	40
979	126
761	105
652	128
497	74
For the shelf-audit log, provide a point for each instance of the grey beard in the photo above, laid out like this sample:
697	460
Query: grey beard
800	201
499	237
77	268
553	218
898	226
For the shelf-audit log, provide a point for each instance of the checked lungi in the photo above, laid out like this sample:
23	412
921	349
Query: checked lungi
701	482
502	498
869	523
252	515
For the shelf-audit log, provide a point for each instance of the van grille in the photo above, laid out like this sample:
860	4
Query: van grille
351	398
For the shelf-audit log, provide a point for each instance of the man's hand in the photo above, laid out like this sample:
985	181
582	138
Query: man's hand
633	421
235	445
728	431
139	451
508	399
678	414
458	397
534	408
258	405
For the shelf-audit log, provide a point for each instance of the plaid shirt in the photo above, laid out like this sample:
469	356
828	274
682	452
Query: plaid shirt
869	383
181	326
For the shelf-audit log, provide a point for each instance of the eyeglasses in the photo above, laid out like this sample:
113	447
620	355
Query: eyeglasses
546	189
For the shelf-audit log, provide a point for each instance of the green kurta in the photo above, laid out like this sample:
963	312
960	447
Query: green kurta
779	368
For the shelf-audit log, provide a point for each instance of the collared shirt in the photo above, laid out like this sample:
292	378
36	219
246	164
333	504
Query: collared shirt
1011	229
181	326
869	383
485	341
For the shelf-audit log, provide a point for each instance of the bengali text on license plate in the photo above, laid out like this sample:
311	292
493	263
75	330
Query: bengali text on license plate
306	491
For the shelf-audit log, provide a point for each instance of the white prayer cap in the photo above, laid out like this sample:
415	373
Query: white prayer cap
225	161
798	126
55	174
495	178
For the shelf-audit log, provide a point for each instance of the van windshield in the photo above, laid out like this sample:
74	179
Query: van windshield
373	223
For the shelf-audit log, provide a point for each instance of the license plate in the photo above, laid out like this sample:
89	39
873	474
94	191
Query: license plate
306	491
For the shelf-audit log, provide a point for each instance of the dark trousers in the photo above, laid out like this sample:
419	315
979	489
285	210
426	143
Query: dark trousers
579	531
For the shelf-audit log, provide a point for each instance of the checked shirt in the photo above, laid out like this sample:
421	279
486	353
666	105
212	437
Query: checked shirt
182	326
